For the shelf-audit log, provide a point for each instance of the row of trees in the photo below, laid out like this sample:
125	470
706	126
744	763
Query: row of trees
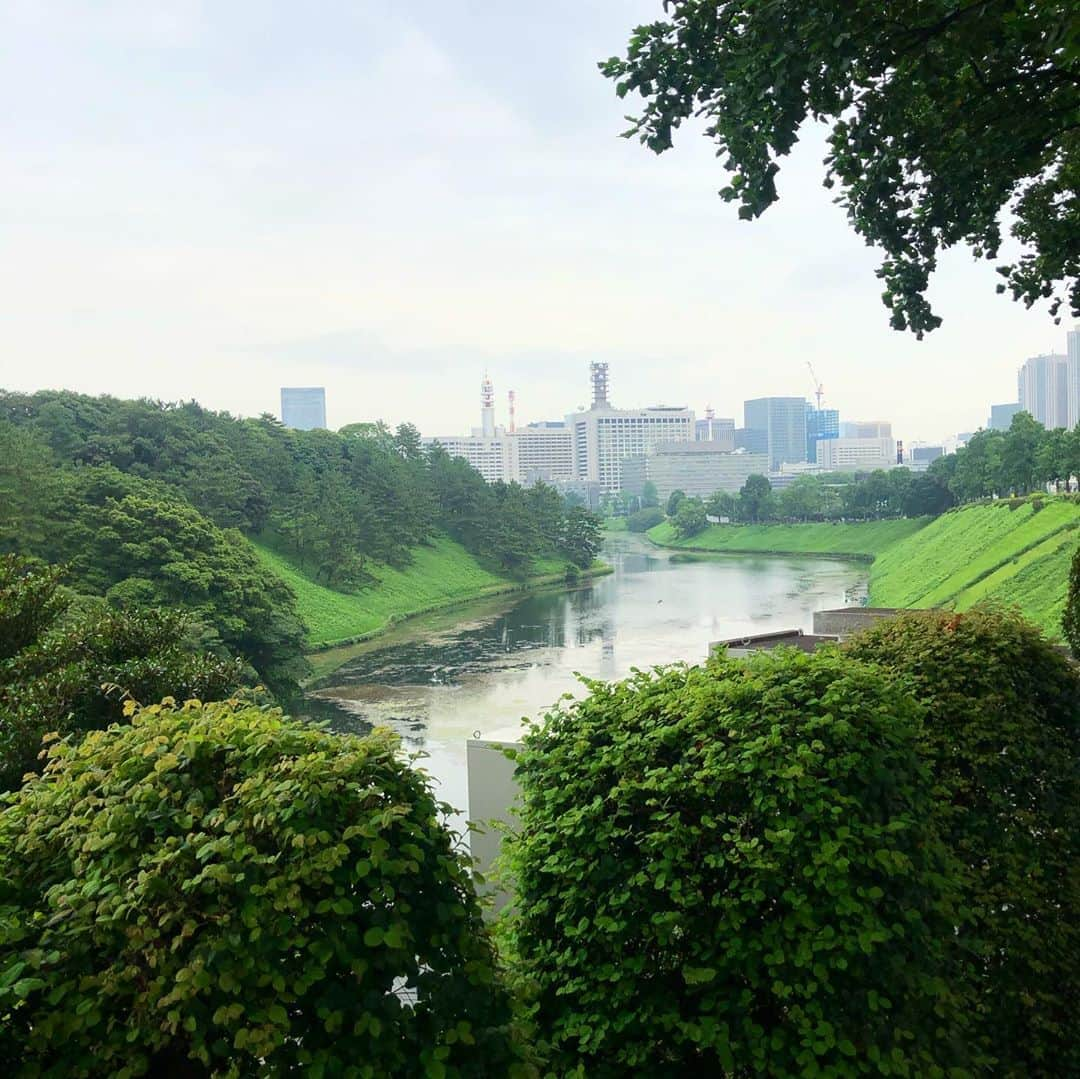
1025	458
859	861
148	505
333	501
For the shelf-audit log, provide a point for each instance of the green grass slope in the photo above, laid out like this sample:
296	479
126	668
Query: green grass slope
849	540
441	574
1005	552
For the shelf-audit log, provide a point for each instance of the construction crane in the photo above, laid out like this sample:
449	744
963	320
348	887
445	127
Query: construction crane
819	389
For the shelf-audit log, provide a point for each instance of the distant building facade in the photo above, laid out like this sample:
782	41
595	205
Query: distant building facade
821	423
541	451
783	421
1043	389
303	407
856	454
697	468
866	429
1001	415
1072	352
715	429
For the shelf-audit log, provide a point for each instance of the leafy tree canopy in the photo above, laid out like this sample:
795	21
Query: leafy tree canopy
944	117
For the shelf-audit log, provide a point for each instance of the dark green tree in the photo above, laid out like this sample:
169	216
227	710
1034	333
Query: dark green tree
720	504
945	118
690	518
581	537
673	502
68	673
649	496
755	499
1021	454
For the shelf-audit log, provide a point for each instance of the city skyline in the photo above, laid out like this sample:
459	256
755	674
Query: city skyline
478	210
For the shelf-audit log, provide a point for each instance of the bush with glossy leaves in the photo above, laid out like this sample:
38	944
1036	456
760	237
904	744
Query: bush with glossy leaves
216	890
733	870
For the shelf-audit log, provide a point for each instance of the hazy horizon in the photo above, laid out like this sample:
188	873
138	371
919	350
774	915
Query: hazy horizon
216	202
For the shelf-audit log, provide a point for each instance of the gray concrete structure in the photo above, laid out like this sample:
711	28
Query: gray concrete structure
842	622
493	791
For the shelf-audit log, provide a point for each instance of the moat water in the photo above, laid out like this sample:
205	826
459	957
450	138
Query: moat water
480	669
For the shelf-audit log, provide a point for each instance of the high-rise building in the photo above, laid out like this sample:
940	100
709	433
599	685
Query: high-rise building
1043	385
783	419
541	452
1072	351
1001	415
866	429
715	428
604	436
821	423
303	407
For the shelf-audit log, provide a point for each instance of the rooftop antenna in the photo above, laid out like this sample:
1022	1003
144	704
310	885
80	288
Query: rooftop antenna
598	373
512	398
819	389
487	407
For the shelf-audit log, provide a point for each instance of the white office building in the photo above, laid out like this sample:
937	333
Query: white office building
537	452
856	454
303	407
1043	385
1072	352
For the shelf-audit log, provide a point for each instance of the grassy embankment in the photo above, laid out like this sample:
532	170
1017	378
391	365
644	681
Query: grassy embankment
439	576
1005	551
863	540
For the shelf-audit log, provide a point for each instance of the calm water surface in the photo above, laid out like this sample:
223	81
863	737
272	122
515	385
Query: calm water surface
482	668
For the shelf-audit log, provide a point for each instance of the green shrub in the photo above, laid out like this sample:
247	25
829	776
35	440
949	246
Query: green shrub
1070	618
729	870
645	519
69	674
215	885
1001	735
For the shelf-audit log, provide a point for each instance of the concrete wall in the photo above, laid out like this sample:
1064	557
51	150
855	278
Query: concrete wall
844	621
492	793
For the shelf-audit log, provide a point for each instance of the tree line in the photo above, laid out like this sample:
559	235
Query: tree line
149	503
992	464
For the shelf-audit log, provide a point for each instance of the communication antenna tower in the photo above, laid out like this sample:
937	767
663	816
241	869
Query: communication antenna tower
598	373
512	399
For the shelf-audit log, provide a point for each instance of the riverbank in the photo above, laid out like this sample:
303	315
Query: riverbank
1015	552
858	540
441	575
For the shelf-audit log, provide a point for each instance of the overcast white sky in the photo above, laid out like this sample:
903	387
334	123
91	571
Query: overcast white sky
216	199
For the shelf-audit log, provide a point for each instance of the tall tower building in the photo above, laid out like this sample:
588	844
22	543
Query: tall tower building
303	407
1043	386
1072	351
780	422
487	407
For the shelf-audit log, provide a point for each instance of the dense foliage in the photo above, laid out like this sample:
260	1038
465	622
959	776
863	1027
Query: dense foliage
215	886
645	518
1070	620
945	116
1001	735
69	672
690	517
733	869
147	502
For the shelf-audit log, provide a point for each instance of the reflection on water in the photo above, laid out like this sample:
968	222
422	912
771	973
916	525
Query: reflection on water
440	679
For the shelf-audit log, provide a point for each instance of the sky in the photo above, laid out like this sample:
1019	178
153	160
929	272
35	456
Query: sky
214	200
